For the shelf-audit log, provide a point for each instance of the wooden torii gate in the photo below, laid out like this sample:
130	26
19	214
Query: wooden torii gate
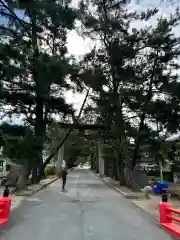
82	127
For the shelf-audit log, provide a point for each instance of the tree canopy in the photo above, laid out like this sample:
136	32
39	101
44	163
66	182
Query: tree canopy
131	76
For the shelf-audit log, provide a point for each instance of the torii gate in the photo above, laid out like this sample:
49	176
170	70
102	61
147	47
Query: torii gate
82	127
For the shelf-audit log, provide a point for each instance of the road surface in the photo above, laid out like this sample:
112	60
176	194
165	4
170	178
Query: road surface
89	210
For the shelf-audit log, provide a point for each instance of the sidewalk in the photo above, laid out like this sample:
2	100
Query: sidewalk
127	193
18	198
151	206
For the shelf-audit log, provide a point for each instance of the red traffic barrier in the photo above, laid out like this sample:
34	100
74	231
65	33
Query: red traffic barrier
5	206
167	220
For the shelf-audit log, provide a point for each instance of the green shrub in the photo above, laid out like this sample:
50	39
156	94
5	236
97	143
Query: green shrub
50	170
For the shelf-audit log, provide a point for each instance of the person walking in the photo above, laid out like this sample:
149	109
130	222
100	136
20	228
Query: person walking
64	176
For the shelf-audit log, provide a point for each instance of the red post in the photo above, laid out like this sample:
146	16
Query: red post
163	210
5	205
8	207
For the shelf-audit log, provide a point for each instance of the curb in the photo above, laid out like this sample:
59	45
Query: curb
15	207
132	201
156	219
110	185
38	189
43	186
33	192
115	188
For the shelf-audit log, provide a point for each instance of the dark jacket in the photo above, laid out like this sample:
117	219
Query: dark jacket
64	173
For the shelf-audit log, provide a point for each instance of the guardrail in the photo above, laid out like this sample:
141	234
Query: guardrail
167	220
5	206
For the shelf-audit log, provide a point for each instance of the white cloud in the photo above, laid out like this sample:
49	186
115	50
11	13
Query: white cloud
77	99
79	46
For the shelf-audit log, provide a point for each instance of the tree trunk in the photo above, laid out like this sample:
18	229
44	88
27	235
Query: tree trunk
122	180
40	125
40	129
34	179
120	168
143	116
22	180
161	171
128	177
138	141
40	172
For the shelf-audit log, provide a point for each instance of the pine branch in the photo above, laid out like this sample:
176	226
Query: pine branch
48	159
13	15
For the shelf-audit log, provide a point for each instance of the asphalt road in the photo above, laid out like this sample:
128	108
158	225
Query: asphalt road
89	210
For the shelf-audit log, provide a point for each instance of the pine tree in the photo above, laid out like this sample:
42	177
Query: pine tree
34	62
158	71
113	65
130	73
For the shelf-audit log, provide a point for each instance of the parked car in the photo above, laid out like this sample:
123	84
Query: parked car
86	166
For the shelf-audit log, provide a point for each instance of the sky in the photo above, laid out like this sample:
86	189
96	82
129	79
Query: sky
79	46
